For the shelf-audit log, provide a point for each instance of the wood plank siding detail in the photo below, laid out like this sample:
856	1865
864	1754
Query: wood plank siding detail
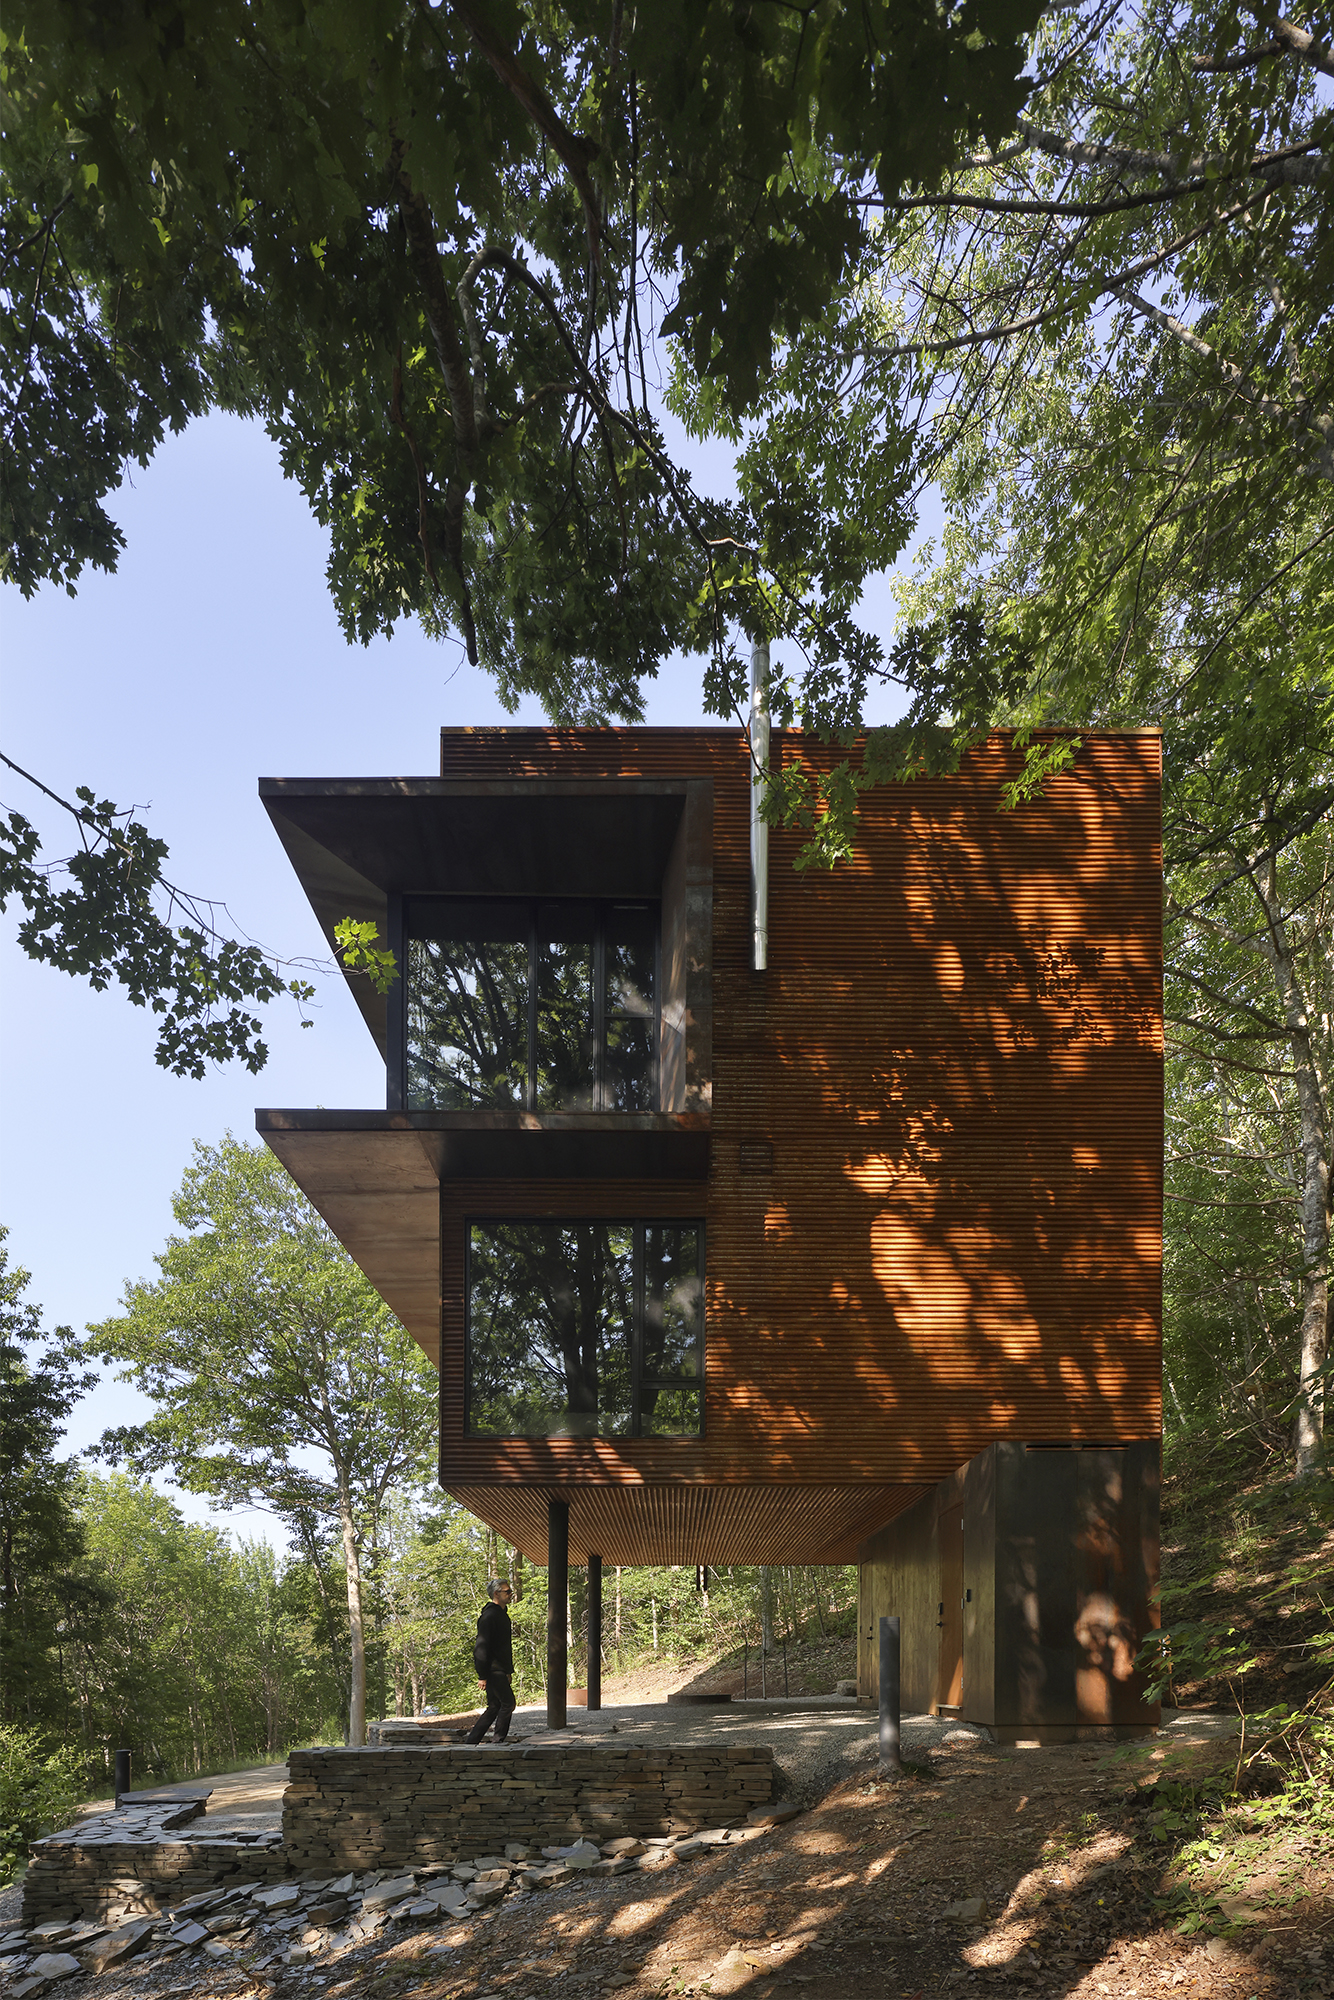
949	1080
926	1145
1023	1584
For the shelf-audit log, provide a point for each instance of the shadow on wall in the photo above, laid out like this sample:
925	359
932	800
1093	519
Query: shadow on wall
995	1039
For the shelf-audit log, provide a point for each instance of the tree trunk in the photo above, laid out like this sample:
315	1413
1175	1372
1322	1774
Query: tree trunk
356	1706
766	1610
307	1535
1309	1426
815	1596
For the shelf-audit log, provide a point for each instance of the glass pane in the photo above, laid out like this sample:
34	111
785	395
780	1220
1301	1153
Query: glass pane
549	1313
631	935
565	1073
467	1004
629	1071
673	1301
669	1412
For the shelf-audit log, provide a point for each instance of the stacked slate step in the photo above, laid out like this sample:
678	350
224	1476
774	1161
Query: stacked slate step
121	1865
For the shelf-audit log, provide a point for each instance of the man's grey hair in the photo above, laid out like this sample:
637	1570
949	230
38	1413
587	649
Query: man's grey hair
495	1585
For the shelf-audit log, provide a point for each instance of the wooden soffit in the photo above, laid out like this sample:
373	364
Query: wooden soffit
688	1523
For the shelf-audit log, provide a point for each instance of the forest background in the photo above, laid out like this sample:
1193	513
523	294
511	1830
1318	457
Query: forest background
124	1625
1088	313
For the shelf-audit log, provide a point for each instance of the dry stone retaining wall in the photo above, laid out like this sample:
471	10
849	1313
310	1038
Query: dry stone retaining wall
112	1880
389	1808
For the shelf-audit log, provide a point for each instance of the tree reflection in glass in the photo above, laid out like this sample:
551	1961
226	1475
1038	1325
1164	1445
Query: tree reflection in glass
672	1345
550	1307
467	1006
585	1329
548	1005
565	1058
631	939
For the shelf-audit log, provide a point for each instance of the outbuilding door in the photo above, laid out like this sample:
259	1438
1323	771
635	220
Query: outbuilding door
949	1680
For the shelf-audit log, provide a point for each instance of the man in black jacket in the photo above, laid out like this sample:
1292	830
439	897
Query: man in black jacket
493	1657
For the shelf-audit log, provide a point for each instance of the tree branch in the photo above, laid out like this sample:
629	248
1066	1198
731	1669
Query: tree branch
419	227
574	151
1217	1057
1266	406
44	229
1304	45
1005	329
1105	152
423	491
1294	166
1243	59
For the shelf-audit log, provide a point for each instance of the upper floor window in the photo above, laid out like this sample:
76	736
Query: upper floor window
547	1006
585	1329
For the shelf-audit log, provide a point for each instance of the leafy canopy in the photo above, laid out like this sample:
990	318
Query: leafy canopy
1109	342
108	911
433	247
282	1380
43	1575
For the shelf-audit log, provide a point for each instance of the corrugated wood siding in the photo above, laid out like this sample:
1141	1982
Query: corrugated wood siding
956	1056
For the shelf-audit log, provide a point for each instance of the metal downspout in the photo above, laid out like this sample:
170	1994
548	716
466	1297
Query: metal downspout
759	826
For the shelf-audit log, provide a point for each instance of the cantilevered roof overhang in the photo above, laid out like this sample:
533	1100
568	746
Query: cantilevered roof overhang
375	1177
354	842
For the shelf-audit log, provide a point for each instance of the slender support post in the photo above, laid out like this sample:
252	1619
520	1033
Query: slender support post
785	1663
759	826
594	1631
890	1765
122	1773
558	1599
745	1670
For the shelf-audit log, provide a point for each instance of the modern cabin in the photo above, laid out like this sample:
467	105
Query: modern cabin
816	1226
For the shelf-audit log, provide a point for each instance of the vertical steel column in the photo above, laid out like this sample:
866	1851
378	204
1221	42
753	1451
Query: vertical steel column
558	1596
122	1773
594	1631
890	1766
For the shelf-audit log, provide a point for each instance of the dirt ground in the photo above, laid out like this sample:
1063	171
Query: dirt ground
1081	1900
813	1667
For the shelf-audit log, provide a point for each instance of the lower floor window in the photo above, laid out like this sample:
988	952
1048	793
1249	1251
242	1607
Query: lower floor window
585	1329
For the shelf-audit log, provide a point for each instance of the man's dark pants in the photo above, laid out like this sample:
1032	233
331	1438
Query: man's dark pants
499	1709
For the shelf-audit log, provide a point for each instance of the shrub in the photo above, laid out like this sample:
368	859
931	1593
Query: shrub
40	1790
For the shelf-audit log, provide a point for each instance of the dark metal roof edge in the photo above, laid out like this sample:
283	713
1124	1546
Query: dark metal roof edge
281	1118
669	786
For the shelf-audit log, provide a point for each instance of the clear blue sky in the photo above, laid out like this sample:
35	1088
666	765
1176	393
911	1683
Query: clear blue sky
210	658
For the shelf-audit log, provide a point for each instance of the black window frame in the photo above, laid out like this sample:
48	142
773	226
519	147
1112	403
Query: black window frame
401	932
638	1224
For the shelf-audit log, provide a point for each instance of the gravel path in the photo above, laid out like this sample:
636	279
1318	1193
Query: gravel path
816	1741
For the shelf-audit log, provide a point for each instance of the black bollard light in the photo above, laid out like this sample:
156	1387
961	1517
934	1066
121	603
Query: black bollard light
890	1763
594	1632
122	1774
